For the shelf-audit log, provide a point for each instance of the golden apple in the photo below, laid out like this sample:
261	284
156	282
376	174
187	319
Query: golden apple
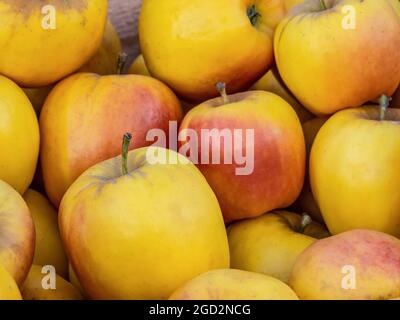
8	288
33	287
355	170
272	82
49	249
272	141
231	284
86	115
270	244
193	44
74	279
358	264
290	4
17	234
306	202
41	42
104	62
139	67
137	229
346	68
19	136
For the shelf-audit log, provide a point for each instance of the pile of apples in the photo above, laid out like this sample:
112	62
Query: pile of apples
318	216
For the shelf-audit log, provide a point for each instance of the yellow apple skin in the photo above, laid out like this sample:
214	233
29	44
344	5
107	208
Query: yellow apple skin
165	215
105	61
8	288
193	44
306	202
325	81
36	56
355	170
49	249
86	115
19	136
231	284
17	233
33	289
320	271
290	4
139	67
270	244
272	82
279	152
74	279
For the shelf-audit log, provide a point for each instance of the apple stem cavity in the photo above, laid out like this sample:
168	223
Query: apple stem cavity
384	102
121	61
125	148
305	222
323	5
221	87
253	14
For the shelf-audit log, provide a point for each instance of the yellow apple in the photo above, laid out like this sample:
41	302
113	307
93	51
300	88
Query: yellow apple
355	170
270	244
139	67
231	284
358	264
289	4
330	53
17	234
8	288
49	249
306	202
33	287
74	279
19	136
42	42
104	62
137	229
192	44
272	82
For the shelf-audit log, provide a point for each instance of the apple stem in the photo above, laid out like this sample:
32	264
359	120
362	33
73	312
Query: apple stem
253	14
121	61
305	222
384	104
323	5
221	87
125	148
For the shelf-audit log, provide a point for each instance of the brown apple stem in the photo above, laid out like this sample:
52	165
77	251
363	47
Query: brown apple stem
305	222
323	5
121	62
125	148
384	104
221	87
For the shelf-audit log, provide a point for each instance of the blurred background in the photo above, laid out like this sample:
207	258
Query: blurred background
124	15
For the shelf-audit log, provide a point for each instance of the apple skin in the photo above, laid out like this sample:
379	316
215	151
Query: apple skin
271	243
318	273
325	81
36	56
19	137
8	288
191	45
17	234
279	153
231	284
165	215
139	67
85	117
33	289
306	202
48	249
355	170
272	82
